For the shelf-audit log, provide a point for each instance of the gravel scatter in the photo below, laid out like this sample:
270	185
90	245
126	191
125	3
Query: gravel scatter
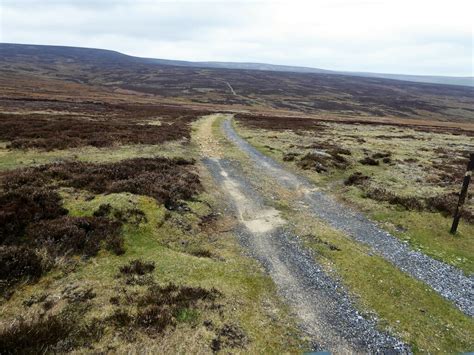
449	281
324	307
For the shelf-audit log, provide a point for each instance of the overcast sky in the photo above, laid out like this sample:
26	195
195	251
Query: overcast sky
391	36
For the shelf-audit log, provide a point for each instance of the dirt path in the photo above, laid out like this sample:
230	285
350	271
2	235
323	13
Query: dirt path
231	88
447	280
323	306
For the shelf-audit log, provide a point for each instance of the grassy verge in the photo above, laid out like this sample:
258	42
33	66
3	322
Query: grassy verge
404	305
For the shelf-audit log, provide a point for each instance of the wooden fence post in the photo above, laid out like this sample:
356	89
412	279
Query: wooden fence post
463	194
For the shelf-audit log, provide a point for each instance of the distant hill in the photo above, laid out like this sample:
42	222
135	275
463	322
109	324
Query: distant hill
235	86
102	56
448	80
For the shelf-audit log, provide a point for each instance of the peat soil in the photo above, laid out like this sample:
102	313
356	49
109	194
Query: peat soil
450	282
322	304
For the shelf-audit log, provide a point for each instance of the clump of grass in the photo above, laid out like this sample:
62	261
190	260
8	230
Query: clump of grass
132	216
290	156
157	308
327	244
229	336
162	307
446	205
137	267
208	221
202	253
121	318
380	155
369	161
77	294
408	202
155	319
357	179
321	162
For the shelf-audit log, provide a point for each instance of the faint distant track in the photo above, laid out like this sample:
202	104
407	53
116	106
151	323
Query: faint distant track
448	281
231	88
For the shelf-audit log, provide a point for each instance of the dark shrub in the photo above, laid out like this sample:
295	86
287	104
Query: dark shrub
356	179
18	263
133	216
313	161
408	202
49	334
138	267
321	162
278	123
178	296
368	161
160	306
289	156
121	318
34	335
202	253
23	206
103	211
75	235
381	155
229	336
155	319
446	203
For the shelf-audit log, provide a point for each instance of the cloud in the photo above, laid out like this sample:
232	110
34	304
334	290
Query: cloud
416	37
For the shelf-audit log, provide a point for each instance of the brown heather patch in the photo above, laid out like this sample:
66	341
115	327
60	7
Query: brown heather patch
98	125
53	333
278	123
137	267
18	263
33	221
76	235
167	180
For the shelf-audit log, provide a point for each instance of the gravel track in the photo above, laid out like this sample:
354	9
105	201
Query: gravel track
326	311
448	281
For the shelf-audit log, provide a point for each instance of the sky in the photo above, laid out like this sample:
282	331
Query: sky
386	36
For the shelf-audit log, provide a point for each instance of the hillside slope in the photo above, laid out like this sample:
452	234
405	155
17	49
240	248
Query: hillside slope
237	89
